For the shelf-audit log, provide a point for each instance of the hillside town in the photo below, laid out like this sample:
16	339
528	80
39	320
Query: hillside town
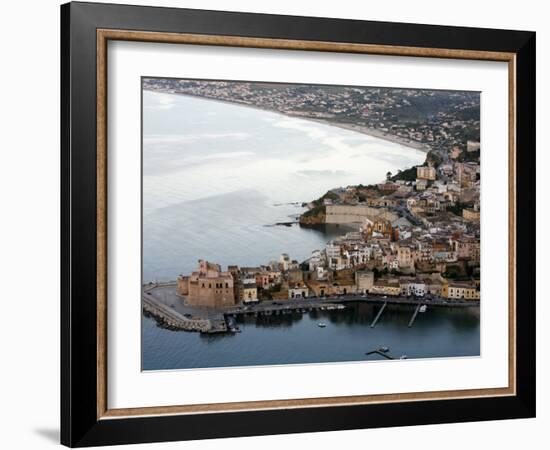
414	238
415	234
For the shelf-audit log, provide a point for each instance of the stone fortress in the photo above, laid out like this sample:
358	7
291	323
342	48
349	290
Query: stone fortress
347	214
207	287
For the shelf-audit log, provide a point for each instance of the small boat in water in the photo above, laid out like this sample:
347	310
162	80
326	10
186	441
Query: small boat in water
423	308
403	357
321	325
384	349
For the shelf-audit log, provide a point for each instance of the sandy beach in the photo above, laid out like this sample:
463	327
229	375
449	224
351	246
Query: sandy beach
351	127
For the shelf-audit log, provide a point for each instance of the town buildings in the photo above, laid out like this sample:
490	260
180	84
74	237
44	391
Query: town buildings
425	173
462	291
364	280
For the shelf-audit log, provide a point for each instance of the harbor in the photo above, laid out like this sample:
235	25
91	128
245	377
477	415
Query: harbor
162	302
297	336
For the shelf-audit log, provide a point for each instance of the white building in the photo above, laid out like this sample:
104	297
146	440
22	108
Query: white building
298	291
412	286
284	261
315	260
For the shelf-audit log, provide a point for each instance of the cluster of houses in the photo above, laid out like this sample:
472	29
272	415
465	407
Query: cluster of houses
414	238
285	279
404	250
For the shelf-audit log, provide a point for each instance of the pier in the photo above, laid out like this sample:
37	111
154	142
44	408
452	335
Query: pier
373	324
379	352
171	319
414	316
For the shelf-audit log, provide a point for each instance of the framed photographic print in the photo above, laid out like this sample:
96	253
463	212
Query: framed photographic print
276	224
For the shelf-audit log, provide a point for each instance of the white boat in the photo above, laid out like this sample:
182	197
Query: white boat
423	308
321	325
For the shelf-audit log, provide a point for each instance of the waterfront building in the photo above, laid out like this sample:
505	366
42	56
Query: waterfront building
434	284
417	287
249	292
404	285
385	286
364	280
319	288
298	290
209	286
413	286
460	290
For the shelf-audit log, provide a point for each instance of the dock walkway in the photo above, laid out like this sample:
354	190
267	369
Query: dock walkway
373	324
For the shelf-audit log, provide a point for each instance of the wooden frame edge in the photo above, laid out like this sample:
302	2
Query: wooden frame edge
289	44
101	223
512	269
212	408
103	36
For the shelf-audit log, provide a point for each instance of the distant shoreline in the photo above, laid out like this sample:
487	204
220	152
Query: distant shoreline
374	133
350	127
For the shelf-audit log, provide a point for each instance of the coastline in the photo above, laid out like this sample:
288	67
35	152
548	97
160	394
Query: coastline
363	130
349	127
373	133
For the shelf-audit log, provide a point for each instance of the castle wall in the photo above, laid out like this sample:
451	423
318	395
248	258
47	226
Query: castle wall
211	292
356	214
